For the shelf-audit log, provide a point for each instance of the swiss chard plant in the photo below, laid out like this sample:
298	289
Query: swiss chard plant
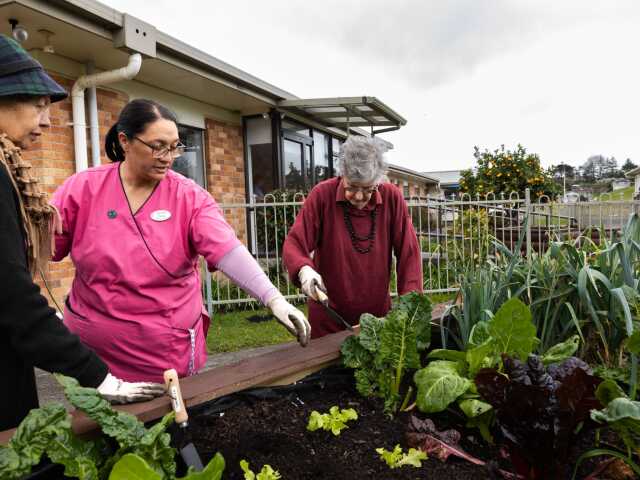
449	378
397	458
47	430
387	348
539	410
335	421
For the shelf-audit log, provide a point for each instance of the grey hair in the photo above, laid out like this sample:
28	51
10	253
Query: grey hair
362	160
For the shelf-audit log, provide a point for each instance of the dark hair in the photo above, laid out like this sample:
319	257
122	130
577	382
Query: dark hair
134	118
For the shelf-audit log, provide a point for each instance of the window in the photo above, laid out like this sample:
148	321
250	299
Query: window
335	153
405	189
260	156
320	156
191	163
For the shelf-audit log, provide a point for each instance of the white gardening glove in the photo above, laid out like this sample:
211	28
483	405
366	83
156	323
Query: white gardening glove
310	281
118	391
291	318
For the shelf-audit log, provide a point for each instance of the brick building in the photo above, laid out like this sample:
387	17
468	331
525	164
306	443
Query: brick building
245	136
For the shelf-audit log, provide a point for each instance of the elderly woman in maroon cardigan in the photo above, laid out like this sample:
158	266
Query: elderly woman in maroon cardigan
344	237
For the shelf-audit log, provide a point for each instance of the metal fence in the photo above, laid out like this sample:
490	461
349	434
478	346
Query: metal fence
453	234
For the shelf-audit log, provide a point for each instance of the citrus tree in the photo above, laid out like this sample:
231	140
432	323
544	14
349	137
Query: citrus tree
506	171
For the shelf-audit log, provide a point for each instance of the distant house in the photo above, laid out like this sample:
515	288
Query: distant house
413	184
449	180
634	174
619	183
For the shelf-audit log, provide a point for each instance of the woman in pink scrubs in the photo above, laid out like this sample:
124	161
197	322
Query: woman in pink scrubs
134	230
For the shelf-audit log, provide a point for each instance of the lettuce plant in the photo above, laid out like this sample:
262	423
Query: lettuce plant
388	347
396	459
267	473
335	421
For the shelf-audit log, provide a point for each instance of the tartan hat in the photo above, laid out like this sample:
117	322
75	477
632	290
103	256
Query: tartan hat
20	74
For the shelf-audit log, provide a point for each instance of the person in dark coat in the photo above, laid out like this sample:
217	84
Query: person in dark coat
30	332
344	237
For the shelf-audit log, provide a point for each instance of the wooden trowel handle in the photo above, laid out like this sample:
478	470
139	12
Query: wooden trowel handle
322	297
177	402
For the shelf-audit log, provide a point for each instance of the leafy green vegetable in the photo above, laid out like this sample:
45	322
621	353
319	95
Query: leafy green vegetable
387	348
561	351
512	330
396	458
335	421
439	384
40	428
620	412
141	453
133	467
267	473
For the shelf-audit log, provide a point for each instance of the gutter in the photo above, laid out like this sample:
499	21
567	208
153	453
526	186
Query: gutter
78	108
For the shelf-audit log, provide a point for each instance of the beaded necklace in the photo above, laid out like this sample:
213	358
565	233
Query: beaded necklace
352	233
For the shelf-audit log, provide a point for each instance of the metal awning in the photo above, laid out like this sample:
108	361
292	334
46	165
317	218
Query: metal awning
346	112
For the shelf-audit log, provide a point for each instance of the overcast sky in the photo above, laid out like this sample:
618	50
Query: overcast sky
560	77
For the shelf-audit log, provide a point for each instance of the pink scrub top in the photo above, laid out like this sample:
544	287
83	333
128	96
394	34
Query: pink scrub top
136	298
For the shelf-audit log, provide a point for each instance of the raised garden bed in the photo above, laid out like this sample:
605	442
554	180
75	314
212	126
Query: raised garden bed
268	426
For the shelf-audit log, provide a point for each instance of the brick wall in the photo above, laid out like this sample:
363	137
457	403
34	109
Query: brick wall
225	170
53	160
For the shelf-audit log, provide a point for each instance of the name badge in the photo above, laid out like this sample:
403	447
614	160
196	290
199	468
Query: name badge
160	215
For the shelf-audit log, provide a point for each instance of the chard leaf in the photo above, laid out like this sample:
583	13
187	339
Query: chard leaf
439	384
133	467
512	329
354	355
31	439
366	382
122	426
155	447
398	345
370	327
618	409
418	307
479	333
607	391
473	407
446	354
561	351
480	357
212	471
80	458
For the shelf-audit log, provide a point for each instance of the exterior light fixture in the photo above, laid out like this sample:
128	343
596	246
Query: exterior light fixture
18	31
48	46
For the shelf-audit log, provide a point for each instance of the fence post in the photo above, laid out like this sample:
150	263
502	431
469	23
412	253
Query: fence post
527	203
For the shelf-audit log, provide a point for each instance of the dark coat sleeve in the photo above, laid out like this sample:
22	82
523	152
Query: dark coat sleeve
29	327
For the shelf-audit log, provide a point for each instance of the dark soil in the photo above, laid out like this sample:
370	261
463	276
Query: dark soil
272	430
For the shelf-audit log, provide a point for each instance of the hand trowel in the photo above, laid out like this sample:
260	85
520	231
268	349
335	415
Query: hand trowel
188	452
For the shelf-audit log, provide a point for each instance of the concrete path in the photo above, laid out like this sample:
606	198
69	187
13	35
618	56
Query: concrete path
50	391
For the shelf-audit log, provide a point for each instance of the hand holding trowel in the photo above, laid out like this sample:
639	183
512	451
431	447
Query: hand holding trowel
313	287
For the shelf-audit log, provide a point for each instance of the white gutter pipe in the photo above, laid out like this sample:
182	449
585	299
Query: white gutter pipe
94	132
77	102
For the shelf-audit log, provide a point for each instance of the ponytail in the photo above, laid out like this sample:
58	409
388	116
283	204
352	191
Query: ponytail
112	145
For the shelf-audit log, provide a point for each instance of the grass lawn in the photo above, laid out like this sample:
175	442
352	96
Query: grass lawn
233	331
622	194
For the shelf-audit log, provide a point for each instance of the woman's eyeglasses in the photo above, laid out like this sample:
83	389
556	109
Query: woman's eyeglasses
160	151
364	190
